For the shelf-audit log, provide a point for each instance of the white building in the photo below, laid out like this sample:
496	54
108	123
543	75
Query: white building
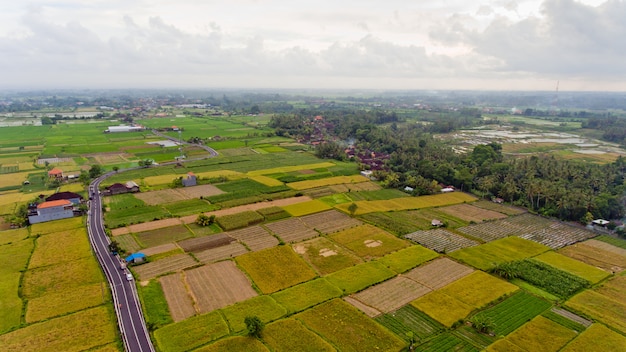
52	210
124	128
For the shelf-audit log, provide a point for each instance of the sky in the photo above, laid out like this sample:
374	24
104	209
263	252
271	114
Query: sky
322	44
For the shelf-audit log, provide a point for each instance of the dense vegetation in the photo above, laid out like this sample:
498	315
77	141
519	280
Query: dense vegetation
411	156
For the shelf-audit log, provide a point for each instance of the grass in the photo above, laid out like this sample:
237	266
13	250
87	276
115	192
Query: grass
348	329
359	277
60	247
597	338
306	208
514	311
56	226
61	277
239	220
235	343
155	306
573	266
368	241
443	308
306	295
59	303
336	180
534	290
189	207
407	203
540	334
275	268
617	242
488	255
123	202
409	318
316	252
600	307
163	235
291	335
478	289
264	307
191	333
123	217
75	332
10	304
407	258
10	236
447	342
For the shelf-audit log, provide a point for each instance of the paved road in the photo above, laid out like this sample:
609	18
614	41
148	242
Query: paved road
211	151
127	307
126	302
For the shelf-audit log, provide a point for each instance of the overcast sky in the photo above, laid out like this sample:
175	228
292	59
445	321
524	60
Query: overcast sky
390	44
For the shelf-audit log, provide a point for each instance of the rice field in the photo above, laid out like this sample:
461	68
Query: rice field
367	241
408	203
285	169
597	338
488	255
540	334
290	335
306	208
573	266
336	180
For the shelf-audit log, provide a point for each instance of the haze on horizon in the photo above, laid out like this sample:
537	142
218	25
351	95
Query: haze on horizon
393	44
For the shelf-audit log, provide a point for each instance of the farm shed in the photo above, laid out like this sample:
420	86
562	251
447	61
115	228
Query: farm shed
71	196
137	257
118	188
52	210
190	180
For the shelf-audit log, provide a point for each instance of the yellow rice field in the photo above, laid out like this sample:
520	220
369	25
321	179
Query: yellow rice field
268	181
284	169
336	180
408	203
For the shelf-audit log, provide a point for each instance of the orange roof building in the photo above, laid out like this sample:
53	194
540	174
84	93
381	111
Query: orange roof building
52	210
55	172
54	203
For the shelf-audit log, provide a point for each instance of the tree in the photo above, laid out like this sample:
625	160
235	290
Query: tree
204	220
352	208
116	168
254	326
114	247
95	171
145	162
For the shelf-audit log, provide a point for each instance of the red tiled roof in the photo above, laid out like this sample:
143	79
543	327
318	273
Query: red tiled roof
54	203
191	173
55	171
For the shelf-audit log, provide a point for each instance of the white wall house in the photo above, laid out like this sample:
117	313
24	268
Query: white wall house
52	210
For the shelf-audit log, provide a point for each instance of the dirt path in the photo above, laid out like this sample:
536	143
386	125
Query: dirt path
152	225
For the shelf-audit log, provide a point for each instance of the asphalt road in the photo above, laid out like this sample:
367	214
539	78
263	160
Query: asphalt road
127	306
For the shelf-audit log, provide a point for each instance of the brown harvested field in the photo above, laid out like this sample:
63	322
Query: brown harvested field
606	246
511	226
439	273
330	221
247	207
160	197
219	253
163	266
199	191
595	256
159	249
392	294
203	243
218	285
469	212
177	297
147	226
369	311
255	237
558	234
164	235
441	240
500	208
325	255
292	230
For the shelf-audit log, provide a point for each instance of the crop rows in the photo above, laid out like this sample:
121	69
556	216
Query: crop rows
255	237
292	230
571	316
170	264
549	278
392	294
441	240
447	342
230	250
178	301
514	311
439	273
517	225
409	318
558	235
330	221
203	243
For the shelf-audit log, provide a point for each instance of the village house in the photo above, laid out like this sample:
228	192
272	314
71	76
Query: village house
191	180
52	210
74	198
119	188
55	173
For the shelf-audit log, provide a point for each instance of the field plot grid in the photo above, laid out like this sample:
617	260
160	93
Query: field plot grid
204	243
255	237
170	264
558	235
292	230
230	250
392	294
218	285
330	221
440	240
469	212
178	301
439	273
512	226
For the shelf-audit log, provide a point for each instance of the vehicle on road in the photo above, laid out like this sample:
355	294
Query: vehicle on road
129	277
